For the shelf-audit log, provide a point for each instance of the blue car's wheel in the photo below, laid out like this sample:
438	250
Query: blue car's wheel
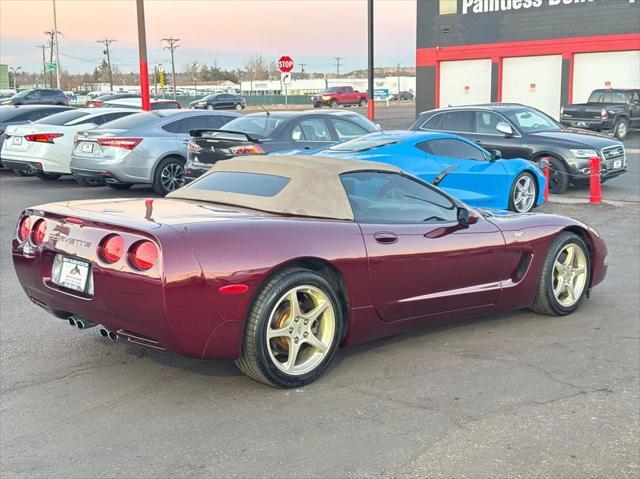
524	192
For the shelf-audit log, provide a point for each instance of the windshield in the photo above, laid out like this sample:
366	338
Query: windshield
21	94
131	121
260	126
364	143
617	98
61	118
531	121
334	89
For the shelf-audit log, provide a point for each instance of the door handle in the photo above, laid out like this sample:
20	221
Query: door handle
385	237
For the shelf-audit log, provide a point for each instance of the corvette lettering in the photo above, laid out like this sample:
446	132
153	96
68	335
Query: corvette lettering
58	237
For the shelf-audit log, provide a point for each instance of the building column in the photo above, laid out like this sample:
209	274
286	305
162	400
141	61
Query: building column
566	85
496	79
426	88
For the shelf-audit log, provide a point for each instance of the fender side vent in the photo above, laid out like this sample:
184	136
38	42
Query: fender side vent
523	267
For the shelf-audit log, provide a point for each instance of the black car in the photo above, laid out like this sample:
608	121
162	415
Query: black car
519	131
611	110
262	133
39	96
18	115
99	100
220	101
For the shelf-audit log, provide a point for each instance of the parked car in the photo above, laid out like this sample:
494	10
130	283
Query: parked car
458	166
220	101
276	262
520	131
282	131
146	147
136	103
98	100
614	110
18	115
39	96
44	147
404	95
340	95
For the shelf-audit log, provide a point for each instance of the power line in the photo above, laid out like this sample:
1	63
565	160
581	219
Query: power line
337	59
106	42
172	45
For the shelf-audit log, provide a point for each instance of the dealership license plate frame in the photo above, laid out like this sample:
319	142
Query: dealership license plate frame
65	278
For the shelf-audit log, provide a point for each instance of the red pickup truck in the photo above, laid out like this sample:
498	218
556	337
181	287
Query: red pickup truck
339	95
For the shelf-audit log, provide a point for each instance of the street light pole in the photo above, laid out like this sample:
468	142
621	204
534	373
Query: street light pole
55	29
15	78
142	52
370	103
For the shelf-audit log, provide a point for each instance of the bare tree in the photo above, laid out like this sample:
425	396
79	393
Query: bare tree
256	68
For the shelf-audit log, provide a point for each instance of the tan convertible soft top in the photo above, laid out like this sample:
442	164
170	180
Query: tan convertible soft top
314	188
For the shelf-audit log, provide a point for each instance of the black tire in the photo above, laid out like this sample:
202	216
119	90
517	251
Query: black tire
512	193
89	183
255	360
558	176
621	130
22	173
317	105
210	107
545	301
159	186
47	176
238	106
333	104
363	103
120	186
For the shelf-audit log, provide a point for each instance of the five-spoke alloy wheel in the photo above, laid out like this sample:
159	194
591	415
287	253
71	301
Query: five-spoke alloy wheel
293	330
523	193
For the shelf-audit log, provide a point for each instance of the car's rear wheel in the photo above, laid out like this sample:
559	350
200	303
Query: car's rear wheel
169	176
89	182
47	176
363	103
621	129
293	331
564	279
558	176
120	186
524	192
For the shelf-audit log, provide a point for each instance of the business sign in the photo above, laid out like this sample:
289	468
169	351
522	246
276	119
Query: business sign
381	94
489	6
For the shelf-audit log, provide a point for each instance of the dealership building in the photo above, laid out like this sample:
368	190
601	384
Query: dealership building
542	53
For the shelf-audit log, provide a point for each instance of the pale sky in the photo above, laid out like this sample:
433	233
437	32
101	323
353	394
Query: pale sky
310	31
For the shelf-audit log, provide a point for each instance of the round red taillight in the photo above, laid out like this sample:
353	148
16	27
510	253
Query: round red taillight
24	226
111	248
38	232
143	255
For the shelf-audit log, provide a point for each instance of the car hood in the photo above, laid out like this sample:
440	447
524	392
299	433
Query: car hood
580	138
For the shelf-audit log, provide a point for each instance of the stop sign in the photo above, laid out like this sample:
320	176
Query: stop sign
285	64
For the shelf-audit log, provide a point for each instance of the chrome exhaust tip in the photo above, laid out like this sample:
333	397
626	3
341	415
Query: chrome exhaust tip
71	320
113	336
103	332
83	323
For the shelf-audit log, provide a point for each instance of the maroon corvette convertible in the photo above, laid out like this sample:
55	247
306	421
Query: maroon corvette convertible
277	262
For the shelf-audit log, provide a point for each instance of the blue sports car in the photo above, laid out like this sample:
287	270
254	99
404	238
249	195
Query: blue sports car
460	167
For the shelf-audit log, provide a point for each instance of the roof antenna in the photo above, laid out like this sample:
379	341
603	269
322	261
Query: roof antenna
265	110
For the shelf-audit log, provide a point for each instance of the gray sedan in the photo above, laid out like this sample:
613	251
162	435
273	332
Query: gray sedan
147	147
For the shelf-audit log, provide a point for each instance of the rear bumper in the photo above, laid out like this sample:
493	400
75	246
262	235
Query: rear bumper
588	123
160	310
193	171
32	167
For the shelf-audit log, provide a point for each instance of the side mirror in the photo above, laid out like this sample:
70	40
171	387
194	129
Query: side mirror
466	217
495	155
504	128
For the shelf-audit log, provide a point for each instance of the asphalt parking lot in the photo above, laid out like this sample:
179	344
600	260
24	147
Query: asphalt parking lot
519	395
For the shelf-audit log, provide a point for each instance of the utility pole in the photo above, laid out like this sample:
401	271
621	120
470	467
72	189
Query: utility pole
55	29
106	42
302	65
44	67
51	34
142	52
398	75
173	44
195	78
370	101
337	59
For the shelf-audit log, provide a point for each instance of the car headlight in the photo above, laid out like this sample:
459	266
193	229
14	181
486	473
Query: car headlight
325	97
584	153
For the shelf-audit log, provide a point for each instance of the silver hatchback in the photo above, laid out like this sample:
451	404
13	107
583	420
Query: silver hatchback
146	147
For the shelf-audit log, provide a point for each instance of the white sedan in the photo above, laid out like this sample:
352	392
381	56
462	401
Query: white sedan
44	147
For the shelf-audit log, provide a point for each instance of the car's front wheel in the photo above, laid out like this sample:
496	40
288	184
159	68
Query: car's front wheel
564	278
363	103
524	192
209	107
169	176
293	331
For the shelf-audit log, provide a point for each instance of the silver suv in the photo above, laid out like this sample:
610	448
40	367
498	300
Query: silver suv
146	147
